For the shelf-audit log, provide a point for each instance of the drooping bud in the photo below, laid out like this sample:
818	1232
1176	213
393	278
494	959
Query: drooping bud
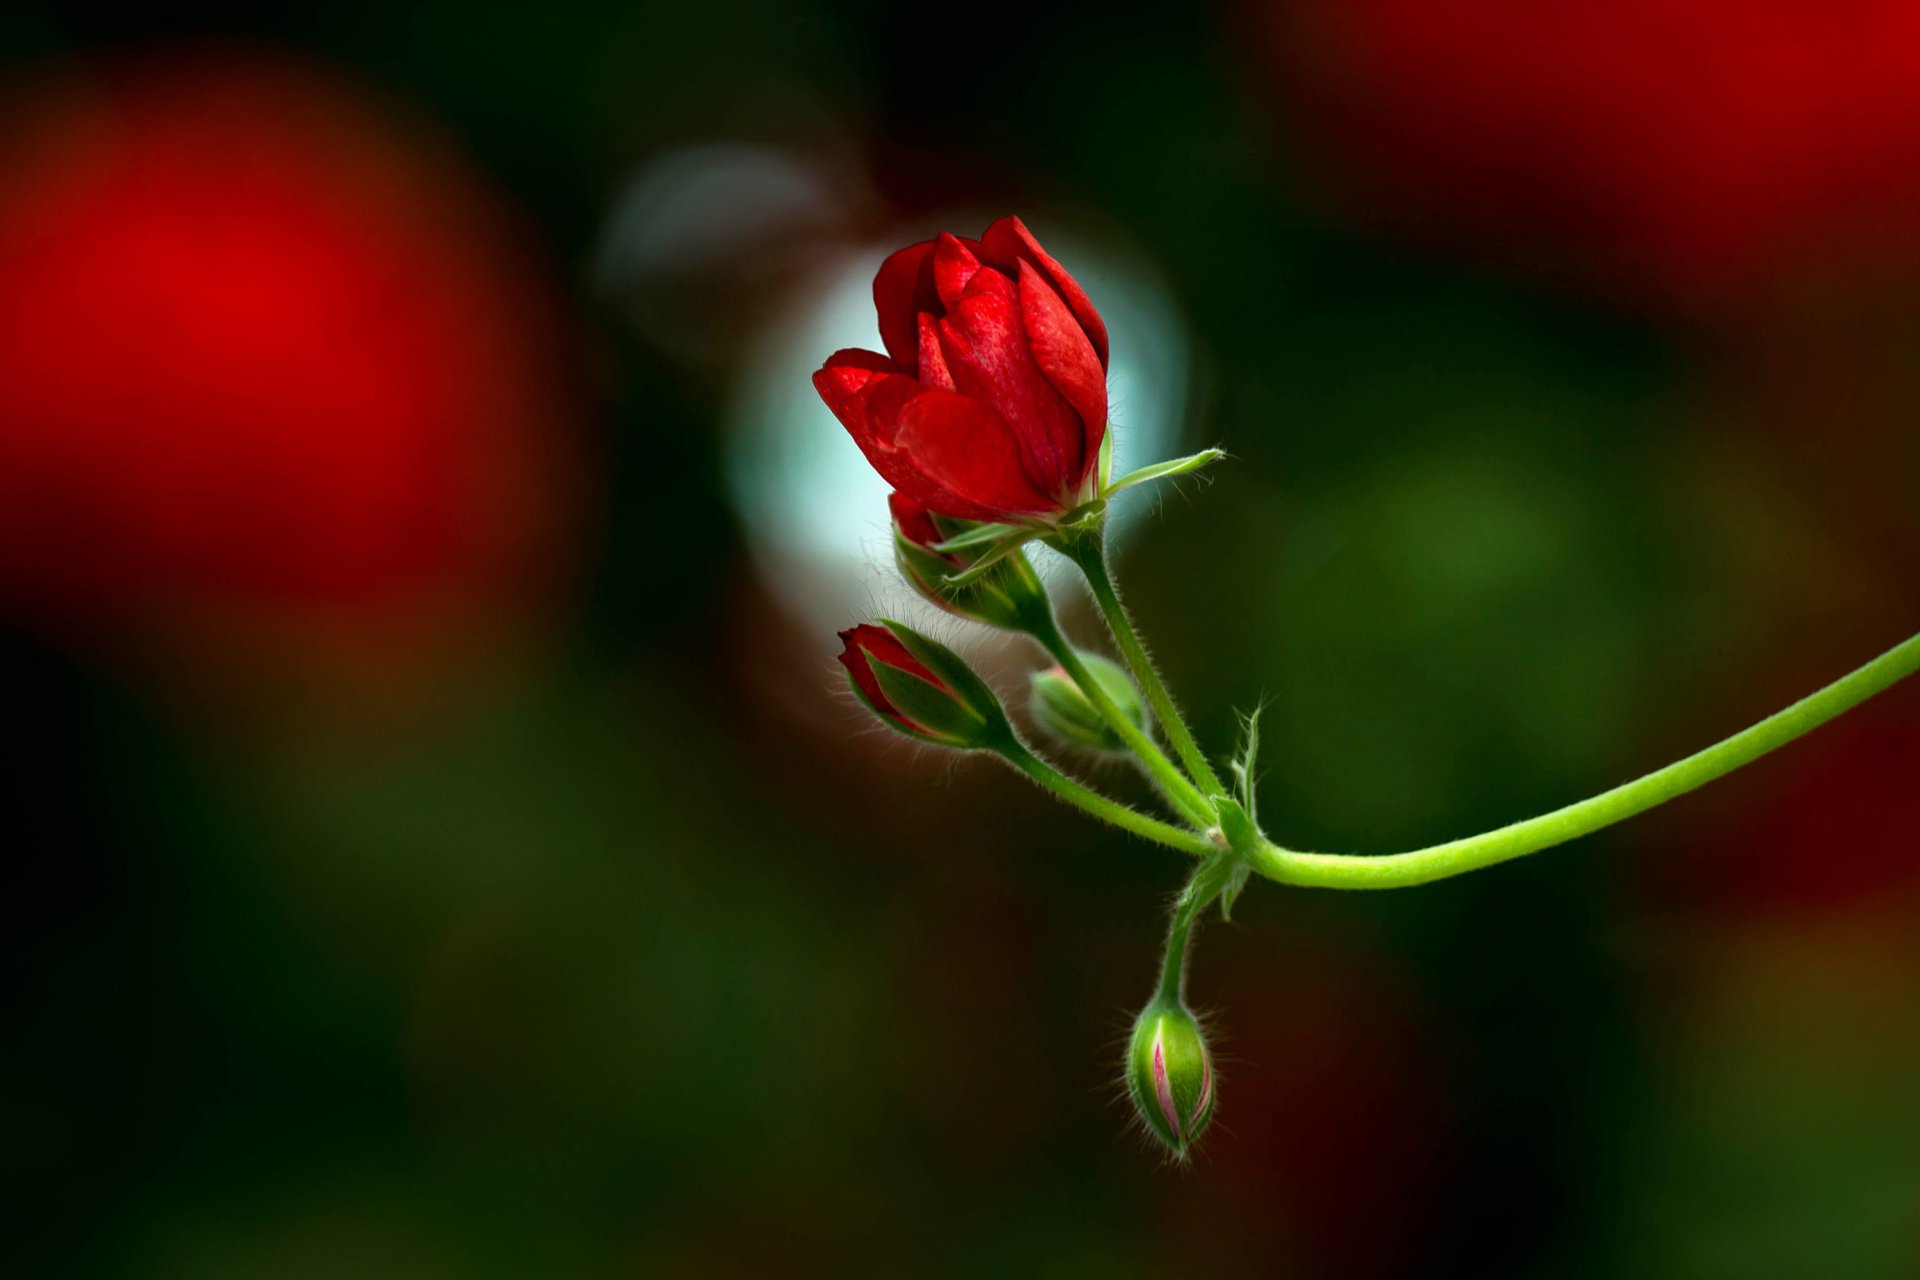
1004	596
1170	1074
1061	707
921	688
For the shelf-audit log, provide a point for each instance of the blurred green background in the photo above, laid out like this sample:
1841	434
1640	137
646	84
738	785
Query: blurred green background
441	848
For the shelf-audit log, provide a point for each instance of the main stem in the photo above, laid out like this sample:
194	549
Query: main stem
1045	628
1082	797
1393	871
1090	554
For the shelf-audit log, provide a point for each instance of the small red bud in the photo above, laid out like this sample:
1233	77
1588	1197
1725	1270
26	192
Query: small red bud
1006	596
921	688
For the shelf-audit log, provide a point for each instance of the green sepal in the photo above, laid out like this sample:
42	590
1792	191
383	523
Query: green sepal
1245	775
919	566
1182	1081
1242	836
1164	470
979	536
1105	468
994	555
1245	780
1084	518
1000	599
893	722
1080	531
1236	884
945	718
968	690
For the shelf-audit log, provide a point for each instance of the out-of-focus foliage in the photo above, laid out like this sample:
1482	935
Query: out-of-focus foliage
459	863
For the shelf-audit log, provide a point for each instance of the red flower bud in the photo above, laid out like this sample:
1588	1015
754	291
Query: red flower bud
894	673
991	402
1008	595
914	523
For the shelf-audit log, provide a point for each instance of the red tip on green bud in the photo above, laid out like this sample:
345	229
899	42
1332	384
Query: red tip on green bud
1061	707
1002	597
921	688
1170	1075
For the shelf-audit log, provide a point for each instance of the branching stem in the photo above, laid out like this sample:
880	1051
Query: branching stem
1182	794
1107	810
1090	554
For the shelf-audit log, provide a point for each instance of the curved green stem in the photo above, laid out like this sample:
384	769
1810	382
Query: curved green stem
1090	554
1182	794
1203	888
1082	797
1393	871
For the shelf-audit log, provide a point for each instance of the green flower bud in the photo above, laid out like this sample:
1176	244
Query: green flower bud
1170	1074
1063	709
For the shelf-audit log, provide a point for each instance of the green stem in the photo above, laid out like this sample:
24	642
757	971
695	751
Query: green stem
1207	882
1101	807
1090	554
1393	871
1045	628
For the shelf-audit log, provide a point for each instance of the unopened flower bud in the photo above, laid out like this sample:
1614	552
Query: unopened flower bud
1170	1074
1061	707
921	688
1005	596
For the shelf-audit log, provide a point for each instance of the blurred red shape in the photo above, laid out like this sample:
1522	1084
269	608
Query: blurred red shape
263	345
1683	152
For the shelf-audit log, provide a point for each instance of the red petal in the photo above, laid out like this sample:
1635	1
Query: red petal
866	644
955	262
855	644
970	451
868	395
902	289
1061	349
1008	242
933	362
913	520
844	382
854	658
985	342
883	646
855	358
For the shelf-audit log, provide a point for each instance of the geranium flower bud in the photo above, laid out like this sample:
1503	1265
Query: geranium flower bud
1005	597
991	402
1170	1074
1063	709
921	688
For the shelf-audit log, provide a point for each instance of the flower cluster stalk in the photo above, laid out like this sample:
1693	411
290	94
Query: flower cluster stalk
987	413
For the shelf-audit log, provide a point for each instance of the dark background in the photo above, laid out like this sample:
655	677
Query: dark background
438	847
